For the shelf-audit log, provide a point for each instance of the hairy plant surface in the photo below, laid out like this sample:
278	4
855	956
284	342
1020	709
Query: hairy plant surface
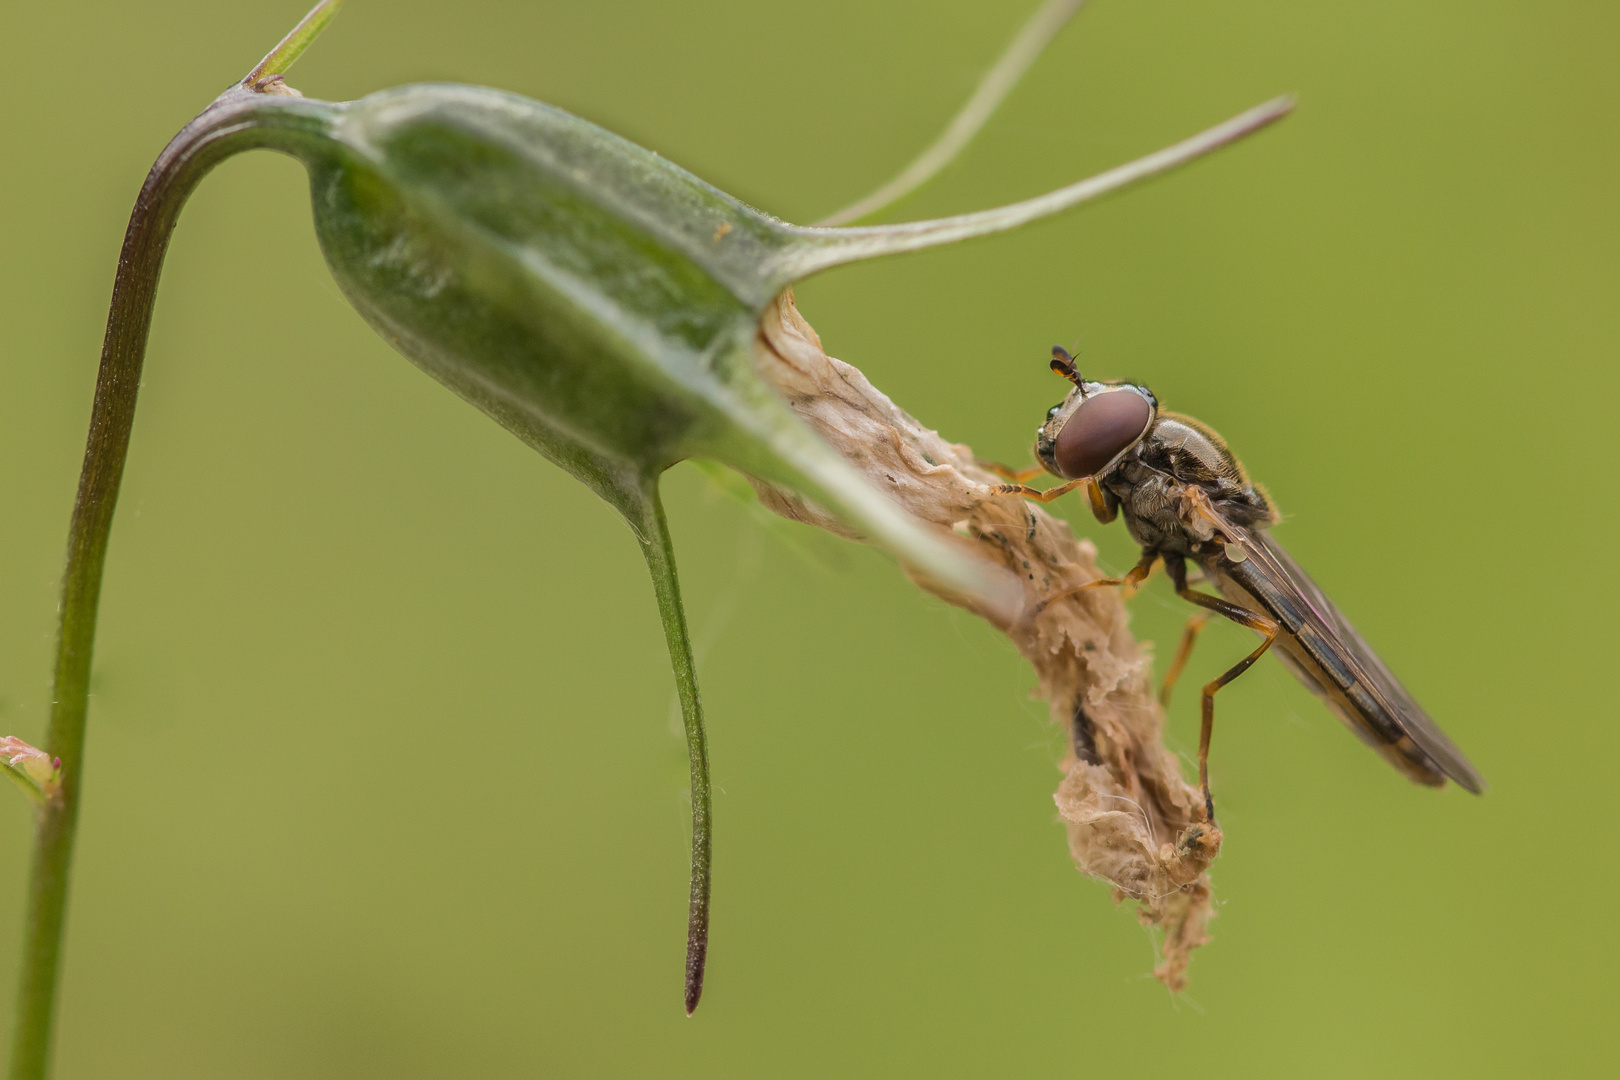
1132	821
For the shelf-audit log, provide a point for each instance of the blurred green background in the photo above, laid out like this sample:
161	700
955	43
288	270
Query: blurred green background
383	780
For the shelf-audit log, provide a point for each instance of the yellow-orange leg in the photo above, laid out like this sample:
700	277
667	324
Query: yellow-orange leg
1244	617
1189	637
1101	509
1017	476
1036	493
1131	580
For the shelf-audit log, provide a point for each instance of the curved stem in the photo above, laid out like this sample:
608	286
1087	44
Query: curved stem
237	121
653	531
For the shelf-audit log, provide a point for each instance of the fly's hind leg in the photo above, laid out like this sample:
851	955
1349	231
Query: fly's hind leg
1207	726
1189	637
1243	617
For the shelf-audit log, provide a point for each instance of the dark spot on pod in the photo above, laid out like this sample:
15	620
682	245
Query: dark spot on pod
1083	735
1099	431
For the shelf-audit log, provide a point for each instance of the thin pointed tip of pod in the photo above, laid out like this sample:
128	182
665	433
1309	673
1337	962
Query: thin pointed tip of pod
696	960
819	249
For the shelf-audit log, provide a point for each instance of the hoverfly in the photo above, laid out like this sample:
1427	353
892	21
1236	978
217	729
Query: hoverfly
1185	496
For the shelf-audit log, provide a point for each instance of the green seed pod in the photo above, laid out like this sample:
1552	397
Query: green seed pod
593	298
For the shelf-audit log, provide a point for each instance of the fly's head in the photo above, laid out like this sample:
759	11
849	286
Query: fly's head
1091	430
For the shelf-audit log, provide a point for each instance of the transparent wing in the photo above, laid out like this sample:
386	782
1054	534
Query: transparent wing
1331	658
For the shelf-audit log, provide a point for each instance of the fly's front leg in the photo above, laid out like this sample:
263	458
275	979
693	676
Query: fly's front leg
1135	577
1104	506
1017	476
1243	617
1036	493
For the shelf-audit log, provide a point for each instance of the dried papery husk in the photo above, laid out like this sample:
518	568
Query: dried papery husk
1132	820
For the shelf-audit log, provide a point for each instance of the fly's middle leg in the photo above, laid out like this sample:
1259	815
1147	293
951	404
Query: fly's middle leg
1133	578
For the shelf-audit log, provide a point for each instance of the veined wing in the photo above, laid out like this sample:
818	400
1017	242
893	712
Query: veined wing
1332	659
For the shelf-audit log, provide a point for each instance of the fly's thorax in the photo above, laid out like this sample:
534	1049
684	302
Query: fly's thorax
1174	477
1194	454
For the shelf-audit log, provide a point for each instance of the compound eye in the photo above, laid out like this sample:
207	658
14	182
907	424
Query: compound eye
1099	431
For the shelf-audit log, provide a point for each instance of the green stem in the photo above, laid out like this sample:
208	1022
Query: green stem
237	121
660	553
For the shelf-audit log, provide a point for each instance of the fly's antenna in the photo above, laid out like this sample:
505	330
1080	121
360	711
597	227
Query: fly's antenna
1063	364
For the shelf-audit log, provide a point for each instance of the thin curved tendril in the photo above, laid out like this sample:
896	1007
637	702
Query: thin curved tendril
997	83
291	47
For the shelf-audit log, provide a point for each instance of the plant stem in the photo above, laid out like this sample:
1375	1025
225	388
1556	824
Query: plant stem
237	121
660	554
